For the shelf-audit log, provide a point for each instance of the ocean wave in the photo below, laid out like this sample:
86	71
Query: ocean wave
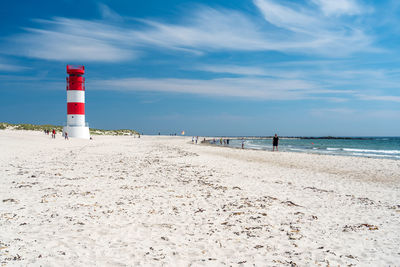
305	150
255	146
372	151
333	148
374	155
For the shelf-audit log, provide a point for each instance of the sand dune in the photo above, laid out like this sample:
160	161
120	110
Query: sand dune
124	201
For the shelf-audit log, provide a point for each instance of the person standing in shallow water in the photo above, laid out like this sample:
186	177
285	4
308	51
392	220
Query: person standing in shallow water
275	142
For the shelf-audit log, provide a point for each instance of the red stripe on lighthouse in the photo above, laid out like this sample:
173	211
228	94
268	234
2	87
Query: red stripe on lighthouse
76	83
76	108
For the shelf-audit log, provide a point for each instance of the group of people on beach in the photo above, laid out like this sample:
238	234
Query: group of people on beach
213	141
53	134
221	141
195	139
275	141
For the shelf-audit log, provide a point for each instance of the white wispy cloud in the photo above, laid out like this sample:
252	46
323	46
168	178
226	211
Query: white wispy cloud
208	29
11	67
390	98
341	7
288	18
233	69
249	88
107	13
332	111
253	71
354	114
362	83
199	31
332	72
309	29
72	40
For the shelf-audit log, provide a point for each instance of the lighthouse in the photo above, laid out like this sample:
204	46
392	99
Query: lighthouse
76	125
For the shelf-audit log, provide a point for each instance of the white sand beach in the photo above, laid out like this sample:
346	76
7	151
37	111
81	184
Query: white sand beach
124	201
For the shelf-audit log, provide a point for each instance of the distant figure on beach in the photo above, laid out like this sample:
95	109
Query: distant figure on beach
224	141
66	136
220	141
242	143
275	142
53	134
192	139
197	138
227	141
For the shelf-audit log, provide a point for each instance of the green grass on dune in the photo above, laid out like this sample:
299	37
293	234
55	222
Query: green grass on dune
33	127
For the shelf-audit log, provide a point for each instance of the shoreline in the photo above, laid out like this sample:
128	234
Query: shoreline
311	152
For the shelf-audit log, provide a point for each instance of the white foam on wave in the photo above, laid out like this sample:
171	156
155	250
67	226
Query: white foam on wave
372	151
298	149
333	148
255	146
374	155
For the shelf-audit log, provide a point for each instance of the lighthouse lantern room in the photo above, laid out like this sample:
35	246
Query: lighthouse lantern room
76	125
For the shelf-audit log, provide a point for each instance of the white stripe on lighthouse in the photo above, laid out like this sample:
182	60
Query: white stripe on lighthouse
75	96
76	120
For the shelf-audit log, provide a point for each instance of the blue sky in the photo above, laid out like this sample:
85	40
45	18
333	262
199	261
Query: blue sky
312	67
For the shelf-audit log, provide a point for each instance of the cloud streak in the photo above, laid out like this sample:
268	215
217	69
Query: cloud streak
65	39
310	29
6	66
202	30
340	7
11	67
248	88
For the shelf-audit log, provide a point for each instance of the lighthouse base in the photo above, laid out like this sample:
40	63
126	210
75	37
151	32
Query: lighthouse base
77	131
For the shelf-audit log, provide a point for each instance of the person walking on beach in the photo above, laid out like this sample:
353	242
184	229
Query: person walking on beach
53	134
242	143
66	136
275	142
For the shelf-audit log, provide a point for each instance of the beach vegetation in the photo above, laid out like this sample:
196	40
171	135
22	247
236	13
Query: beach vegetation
34	127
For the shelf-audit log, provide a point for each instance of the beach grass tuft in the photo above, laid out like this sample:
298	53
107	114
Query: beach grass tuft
34	127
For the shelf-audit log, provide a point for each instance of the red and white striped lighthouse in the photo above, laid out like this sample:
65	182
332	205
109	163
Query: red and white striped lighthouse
76	125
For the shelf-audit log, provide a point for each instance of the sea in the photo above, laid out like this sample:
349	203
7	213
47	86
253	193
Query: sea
372	147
